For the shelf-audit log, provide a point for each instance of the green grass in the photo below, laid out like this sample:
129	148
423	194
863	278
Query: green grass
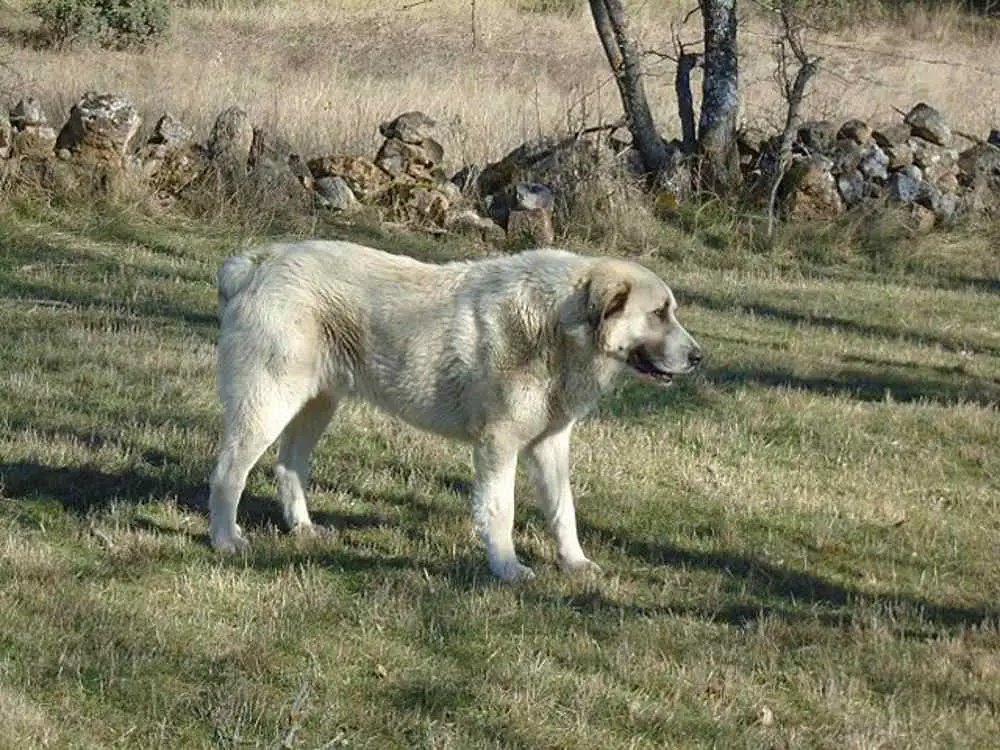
799	545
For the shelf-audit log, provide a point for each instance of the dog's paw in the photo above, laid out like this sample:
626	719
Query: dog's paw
228	543
511	571
579	565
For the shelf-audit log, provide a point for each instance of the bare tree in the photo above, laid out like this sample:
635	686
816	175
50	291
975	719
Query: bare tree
622	54
720	161
794	89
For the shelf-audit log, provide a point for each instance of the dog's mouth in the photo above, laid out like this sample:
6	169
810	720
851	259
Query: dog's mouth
648	368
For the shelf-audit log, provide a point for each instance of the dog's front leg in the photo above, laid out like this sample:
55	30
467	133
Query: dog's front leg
495	464
548	464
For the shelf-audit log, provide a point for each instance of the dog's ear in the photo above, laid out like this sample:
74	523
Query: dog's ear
608	295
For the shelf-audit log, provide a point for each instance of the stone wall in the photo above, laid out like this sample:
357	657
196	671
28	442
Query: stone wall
917	162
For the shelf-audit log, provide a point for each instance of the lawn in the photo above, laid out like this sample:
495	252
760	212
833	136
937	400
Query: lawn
799	544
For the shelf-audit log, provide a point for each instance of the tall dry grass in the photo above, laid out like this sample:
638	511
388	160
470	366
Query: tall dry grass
324	74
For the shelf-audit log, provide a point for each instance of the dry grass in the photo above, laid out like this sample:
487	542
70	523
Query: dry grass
325	74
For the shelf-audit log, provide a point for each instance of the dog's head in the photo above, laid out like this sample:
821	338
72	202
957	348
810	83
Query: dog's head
633	316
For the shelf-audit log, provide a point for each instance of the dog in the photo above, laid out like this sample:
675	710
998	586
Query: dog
504	353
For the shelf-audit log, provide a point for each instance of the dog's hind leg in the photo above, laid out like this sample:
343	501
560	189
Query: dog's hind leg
292	470
547	461
250	428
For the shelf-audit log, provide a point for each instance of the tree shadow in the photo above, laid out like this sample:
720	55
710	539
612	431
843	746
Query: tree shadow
795	318
936	387
775	591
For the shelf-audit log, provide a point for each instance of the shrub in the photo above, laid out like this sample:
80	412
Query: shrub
112	23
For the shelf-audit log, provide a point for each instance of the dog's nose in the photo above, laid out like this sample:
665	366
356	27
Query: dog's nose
694	357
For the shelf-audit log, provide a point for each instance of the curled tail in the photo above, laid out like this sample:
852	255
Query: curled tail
232	277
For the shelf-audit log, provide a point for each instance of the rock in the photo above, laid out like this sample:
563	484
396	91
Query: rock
874	163
927	123
517	165
334	193
410	127
904	186
28	113
980	174
900	155
846	155
423	205
855	130
169	168
934	161
895	134
929	196
170	131
851	187
817	135
470	224
365	179
398	158
994	137
229	145
981	161
170	160
533	225
810	190
100	130
532	195
949	182
276	169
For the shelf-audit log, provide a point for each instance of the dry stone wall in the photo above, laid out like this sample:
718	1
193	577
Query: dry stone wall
918	161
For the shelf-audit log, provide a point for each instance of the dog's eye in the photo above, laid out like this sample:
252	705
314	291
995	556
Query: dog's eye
663	313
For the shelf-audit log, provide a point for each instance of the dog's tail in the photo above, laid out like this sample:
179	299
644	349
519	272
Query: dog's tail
232	277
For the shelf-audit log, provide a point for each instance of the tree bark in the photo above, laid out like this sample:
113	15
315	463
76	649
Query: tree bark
609	19
720	161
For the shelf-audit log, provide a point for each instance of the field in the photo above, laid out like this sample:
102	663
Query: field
799	544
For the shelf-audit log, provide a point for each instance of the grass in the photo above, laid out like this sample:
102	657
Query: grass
799	544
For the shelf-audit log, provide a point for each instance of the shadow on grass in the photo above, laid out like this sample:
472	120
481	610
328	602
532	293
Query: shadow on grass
775	591
870	330
204	321
939	385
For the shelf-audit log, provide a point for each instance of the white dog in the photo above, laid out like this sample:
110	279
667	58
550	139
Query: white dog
505	354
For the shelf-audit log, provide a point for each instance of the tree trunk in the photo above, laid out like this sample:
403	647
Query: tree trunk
609	18
720	161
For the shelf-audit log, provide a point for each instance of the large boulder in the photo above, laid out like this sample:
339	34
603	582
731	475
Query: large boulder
99	130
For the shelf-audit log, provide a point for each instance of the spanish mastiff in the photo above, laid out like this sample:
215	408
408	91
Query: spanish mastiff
505	354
